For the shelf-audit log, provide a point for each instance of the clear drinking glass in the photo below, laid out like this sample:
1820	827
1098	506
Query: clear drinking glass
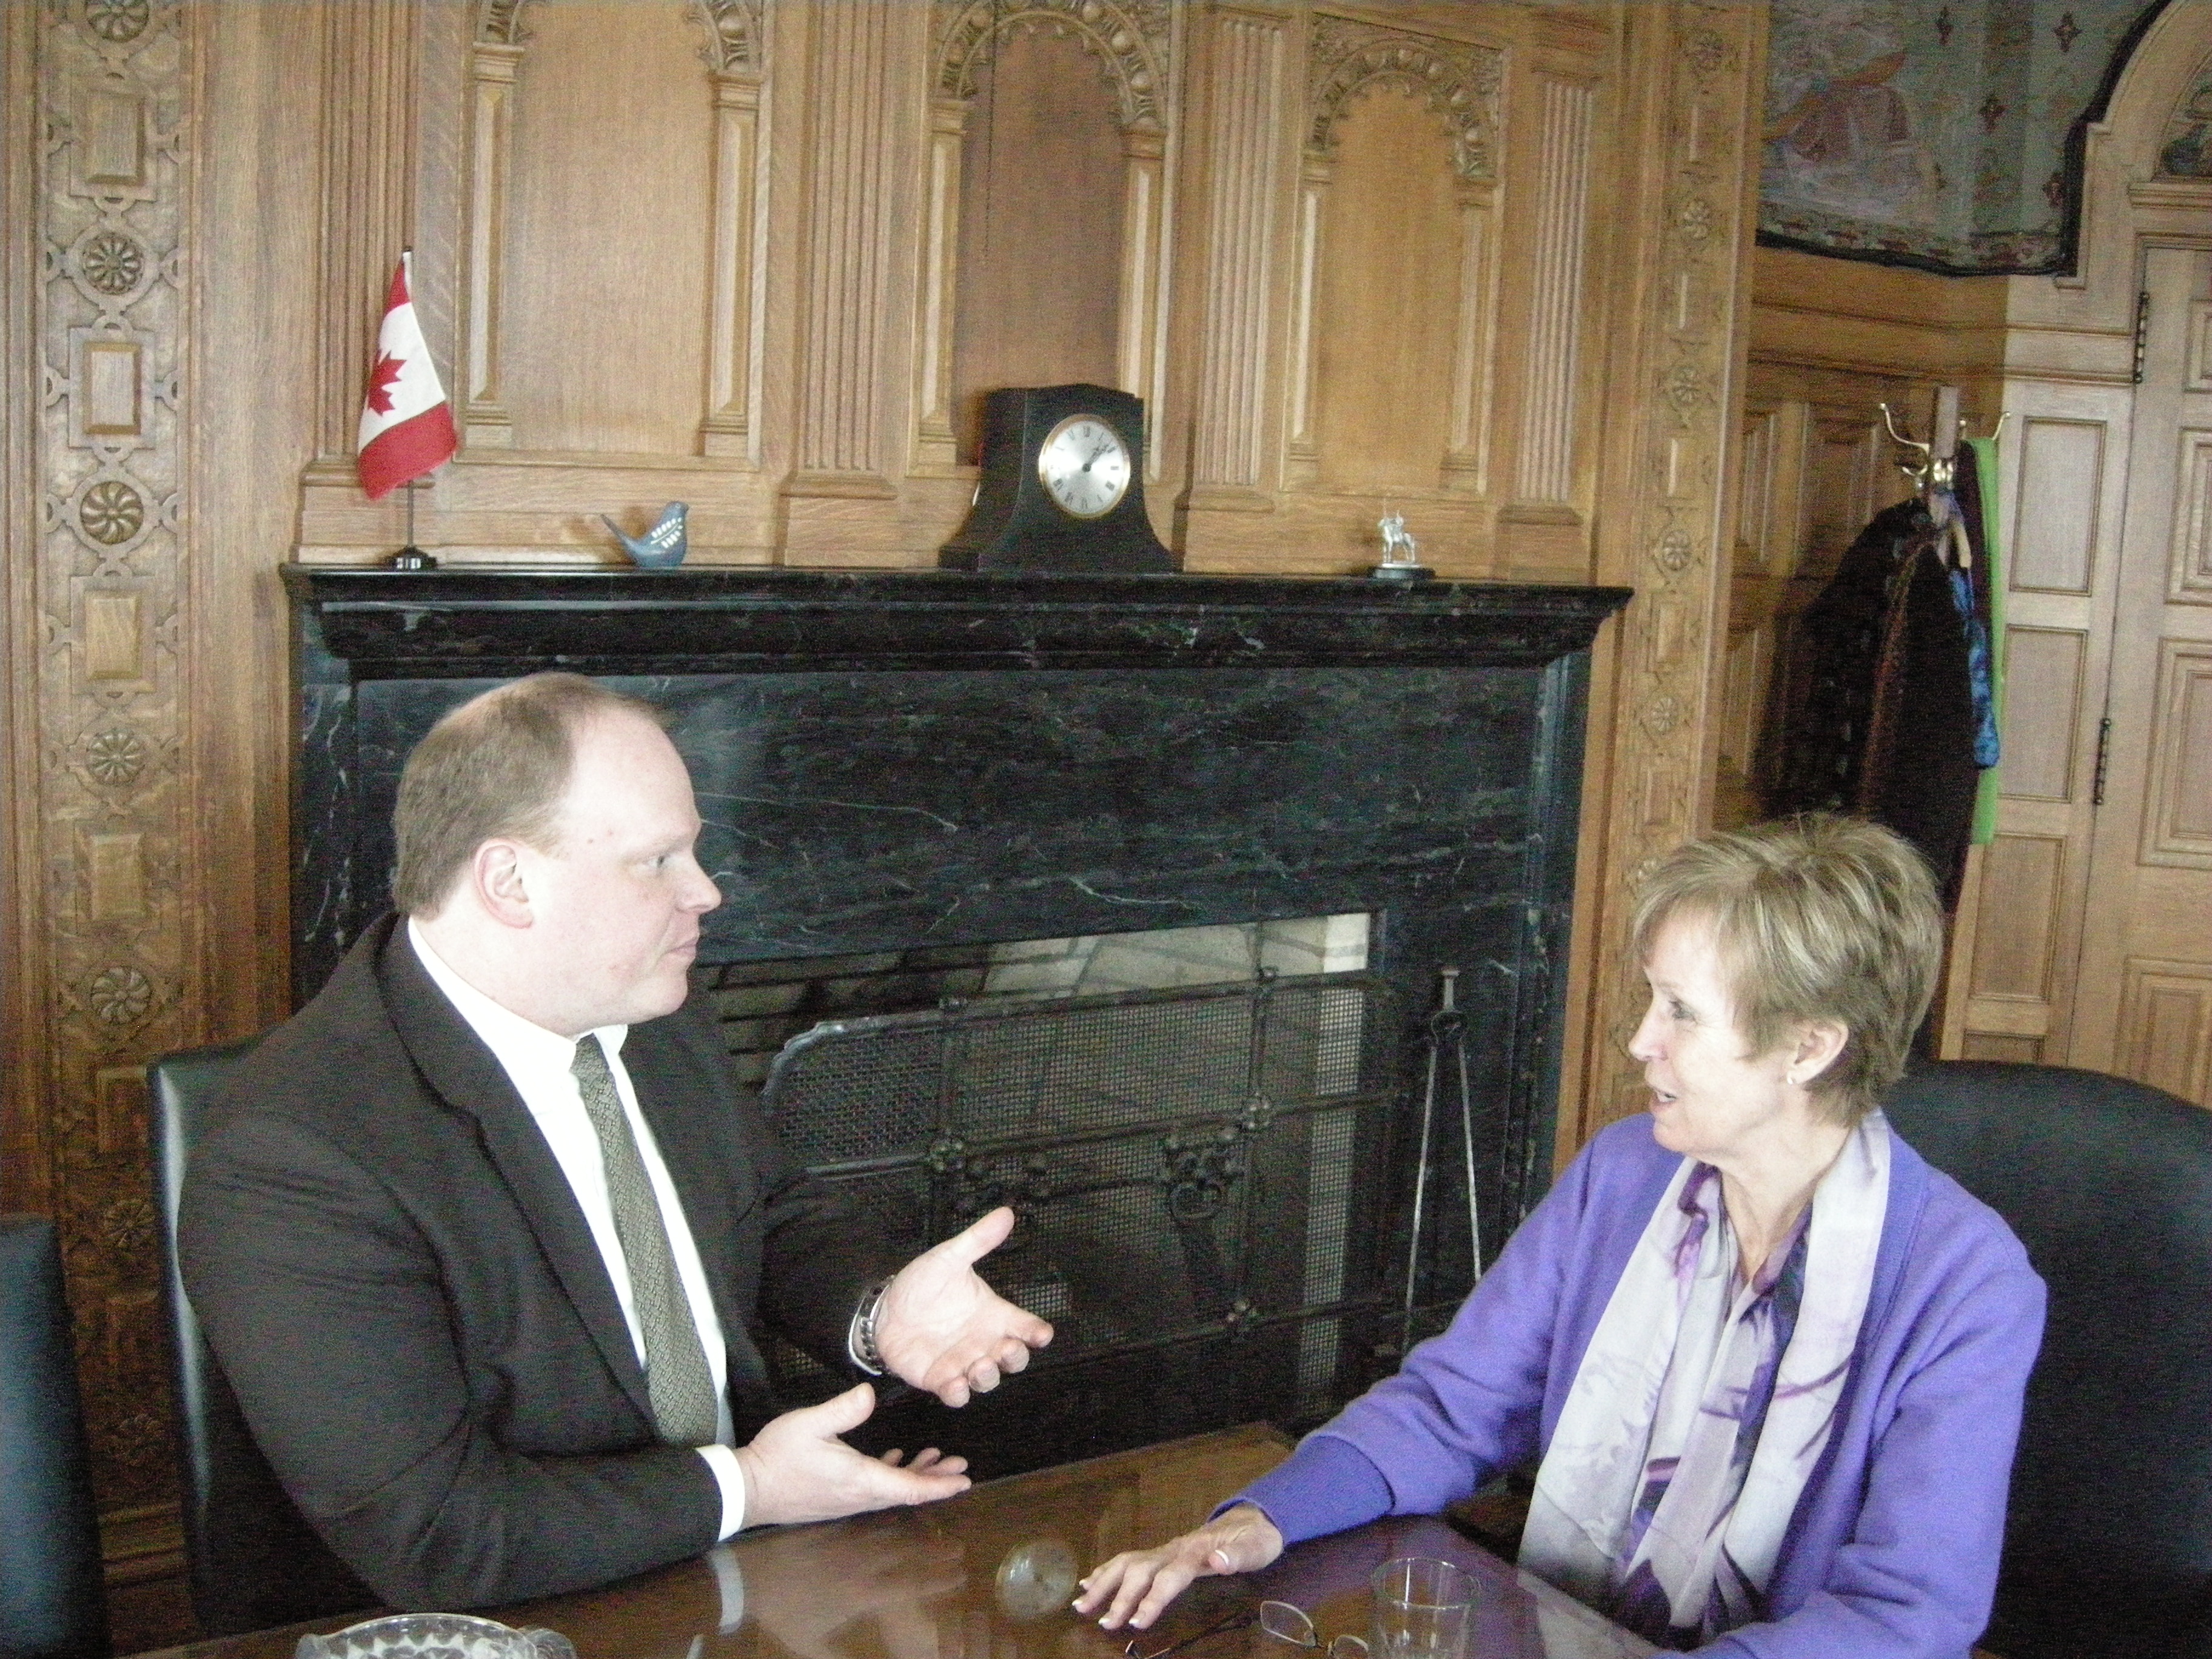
1420	1611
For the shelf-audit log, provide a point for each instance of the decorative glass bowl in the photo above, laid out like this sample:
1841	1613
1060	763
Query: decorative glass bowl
434	1636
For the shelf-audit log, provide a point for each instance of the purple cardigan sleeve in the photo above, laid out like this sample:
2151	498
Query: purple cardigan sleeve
1466	1405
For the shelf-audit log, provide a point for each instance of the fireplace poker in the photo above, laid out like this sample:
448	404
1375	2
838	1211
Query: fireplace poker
1447	1031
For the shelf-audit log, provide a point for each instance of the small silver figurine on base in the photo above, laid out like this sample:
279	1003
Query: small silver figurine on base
1402	560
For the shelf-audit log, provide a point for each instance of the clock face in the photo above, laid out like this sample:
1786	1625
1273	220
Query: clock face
1084	466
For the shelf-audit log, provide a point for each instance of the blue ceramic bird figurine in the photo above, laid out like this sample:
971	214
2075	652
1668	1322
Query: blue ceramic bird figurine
662	547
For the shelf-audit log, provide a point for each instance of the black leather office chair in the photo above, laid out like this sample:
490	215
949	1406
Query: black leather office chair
255	1561
52	1604
2108	1542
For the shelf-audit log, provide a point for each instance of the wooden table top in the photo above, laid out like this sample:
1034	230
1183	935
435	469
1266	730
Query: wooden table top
980	1577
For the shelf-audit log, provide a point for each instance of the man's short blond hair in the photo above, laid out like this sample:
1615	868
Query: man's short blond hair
493	767
1816	918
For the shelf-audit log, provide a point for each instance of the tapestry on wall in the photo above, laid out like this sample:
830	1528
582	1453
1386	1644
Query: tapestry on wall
2187	152
1944	136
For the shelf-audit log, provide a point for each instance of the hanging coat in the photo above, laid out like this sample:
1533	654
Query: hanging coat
1878	718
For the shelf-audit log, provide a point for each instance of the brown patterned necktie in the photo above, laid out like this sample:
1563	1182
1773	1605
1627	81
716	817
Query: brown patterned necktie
676	1375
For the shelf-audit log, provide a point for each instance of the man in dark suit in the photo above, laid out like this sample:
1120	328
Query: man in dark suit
481	1235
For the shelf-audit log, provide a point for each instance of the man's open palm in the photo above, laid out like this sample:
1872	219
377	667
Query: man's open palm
943	1329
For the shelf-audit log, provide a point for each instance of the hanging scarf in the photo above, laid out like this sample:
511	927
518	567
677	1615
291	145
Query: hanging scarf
1702	1405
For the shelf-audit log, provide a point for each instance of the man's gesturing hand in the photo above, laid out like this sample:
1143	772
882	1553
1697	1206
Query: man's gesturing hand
1135	1586
798	1470
940	1327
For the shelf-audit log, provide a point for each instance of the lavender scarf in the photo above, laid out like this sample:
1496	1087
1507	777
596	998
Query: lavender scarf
1702	1404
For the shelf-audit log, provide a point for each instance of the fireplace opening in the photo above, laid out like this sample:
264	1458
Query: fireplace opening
762	1006
1192	1124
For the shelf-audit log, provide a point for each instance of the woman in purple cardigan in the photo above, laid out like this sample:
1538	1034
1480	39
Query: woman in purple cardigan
1767	1361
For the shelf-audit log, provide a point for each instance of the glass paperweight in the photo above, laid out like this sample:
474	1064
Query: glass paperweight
434	1636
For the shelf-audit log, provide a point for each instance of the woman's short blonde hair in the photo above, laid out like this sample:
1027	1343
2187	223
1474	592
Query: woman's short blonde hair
1816	918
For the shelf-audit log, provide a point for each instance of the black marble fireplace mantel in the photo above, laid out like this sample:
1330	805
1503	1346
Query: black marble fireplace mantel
499	622
892	758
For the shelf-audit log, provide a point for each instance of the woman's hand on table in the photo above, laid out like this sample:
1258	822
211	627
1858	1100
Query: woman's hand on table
1135	1586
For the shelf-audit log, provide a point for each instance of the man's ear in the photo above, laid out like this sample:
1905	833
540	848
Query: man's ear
496	874
1818	1042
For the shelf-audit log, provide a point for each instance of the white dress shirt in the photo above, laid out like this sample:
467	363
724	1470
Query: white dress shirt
536	1062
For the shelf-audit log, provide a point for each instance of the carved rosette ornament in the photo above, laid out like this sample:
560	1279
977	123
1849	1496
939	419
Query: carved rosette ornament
1459	83
106	949
1128	37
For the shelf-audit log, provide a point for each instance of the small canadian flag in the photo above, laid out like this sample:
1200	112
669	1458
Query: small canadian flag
406	424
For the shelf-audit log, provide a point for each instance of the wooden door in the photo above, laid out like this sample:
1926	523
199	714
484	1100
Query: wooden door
2143	1001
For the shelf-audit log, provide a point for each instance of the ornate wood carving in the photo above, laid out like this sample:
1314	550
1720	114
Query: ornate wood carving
499	23
1459	82
98	657
1230	460
1129	39
1132	42
1693	102
736	29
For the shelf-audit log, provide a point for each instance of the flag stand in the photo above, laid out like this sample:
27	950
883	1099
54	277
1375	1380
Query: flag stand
411	557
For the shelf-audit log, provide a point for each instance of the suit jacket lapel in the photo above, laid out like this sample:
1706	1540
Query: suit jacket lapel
463	1073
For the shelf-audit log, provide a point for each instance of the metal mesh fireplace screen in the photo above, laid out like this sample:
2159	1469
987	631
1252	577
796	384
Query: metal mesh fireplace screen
1199	1175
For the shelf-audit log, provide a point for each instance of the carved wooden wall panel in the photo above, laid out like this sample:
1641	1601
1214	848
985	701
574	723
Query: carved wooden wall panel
736	48
2165	1026
1111	238
494	57
846	285
2192	523
109	814
1384	326
2015	972
1248	59
2045	691
1393	324
371	67
1552	345
2177	808
2056	549
1675	336
610	291
1037	301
